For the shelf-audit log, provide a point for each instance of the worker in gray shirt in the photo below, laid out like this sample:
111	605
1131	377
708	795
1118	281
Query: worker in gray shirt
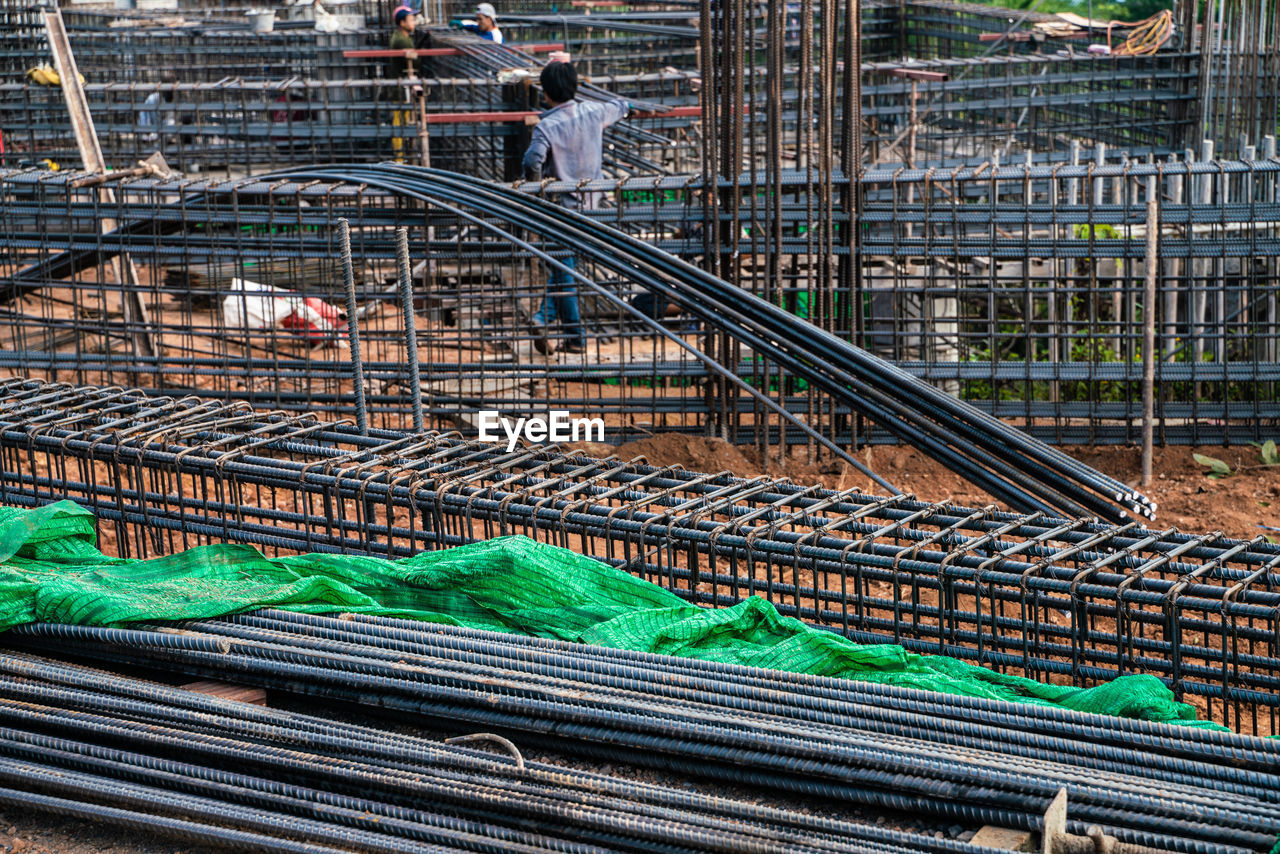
570	135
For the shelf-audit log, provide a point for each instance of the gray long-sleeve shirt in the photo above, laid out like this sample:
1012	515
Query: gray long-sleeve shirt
572	134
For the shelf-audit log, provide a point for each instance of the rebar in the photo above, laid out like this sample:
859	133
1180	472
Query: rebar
580	706
1041	596
328	781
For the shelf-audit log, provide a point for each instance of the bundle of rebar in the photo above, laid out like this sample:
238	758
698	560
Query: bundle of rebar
1010	465
1168	787
208	770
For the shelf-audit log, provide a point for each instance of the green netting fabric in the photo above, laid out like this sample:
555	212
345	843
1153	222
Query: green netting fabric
51	571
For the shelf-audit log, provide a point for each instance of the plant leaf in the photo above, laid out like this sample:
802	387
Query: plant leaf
1269	453
1215	466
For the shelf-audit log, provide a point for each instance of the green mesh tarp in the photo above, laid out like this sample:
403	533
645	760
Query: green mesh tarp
50	570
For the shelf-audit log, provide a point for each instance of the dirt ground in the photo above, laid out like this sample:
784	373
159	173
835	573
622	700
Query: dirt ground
1186	498
24	832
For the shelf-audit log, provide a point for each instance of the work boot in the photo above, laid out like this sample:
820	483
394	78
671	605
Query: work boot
544	344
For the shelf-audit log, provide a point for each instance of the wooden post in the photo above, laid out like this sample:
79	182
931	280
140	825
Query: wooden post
1203	194
122	268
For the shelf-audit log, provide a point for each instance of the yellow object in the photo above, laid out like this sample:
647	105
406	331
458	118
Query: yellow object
47	75
1148	35
399	118
51	165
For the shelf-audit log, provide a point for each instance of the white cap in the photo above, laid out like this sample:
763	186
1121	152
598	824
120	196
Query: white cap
487	10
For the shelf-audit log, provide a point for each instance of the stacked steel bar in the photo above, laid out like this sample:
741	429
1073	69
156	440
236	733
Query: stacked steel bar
1162	786
1045	597
119	750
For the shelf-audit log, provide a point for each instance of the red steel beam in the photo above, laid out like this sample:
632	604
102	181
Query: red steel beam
524	115
916	74
440	51
473	118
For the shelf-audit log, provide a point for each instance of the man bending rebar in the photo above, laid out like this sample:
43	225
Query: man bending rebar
571	135
485	24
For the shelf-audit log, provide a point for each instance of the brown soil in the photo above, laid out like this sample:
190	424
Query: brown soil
696	453
1186	498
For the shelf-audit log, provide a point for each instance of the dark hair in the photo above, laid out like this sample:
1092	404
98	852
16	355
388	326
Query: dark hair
559	81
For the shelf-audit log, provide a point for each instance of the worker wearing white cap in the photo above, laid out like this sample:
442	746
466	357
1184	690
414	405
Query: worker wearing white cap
486	23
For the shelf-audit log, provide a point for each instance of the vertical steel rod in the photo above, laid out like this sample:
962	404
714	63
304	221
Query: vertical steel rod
410	327
1149	330
353	324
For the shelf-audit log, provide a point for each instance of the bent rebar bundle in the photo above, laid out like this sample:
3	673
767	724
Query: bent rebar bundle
1020	470
1046	597
1164	786
1028	474
1068	368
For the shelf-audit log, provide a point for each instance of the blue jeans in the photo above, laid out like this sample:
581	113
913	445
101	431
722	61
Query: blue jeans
561	302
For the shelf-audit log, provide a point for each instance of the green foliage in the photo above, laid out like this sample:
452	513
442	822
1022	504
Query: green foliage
1267	450
1093	348
1217	469
1101	231
1119	10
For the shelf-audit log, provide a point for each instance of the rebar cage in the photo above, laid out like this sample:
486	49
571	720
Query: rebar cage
1067	601
1020	289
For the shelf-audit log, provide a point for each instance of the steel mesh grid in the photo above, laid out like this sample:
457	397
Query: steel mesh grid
1073	602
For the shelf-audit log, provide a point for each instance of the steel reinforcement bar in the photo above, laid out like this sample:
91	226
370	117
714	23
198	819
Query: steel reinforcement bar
1145	784
1007	463
1046	597
1010	465
1019	289
201	768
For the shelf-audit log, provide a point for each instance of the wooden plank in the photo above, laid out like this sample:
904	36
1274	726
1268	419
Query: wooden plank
919	74
126	274
1004	838
526	115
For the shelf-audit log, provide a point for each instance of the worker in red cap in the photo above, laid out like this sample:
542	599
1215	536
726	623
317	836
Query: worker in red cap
406	21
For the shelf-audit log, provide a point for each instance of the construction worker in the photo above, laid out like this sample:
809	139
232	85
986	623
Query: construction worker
571	134
486	23
406	21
